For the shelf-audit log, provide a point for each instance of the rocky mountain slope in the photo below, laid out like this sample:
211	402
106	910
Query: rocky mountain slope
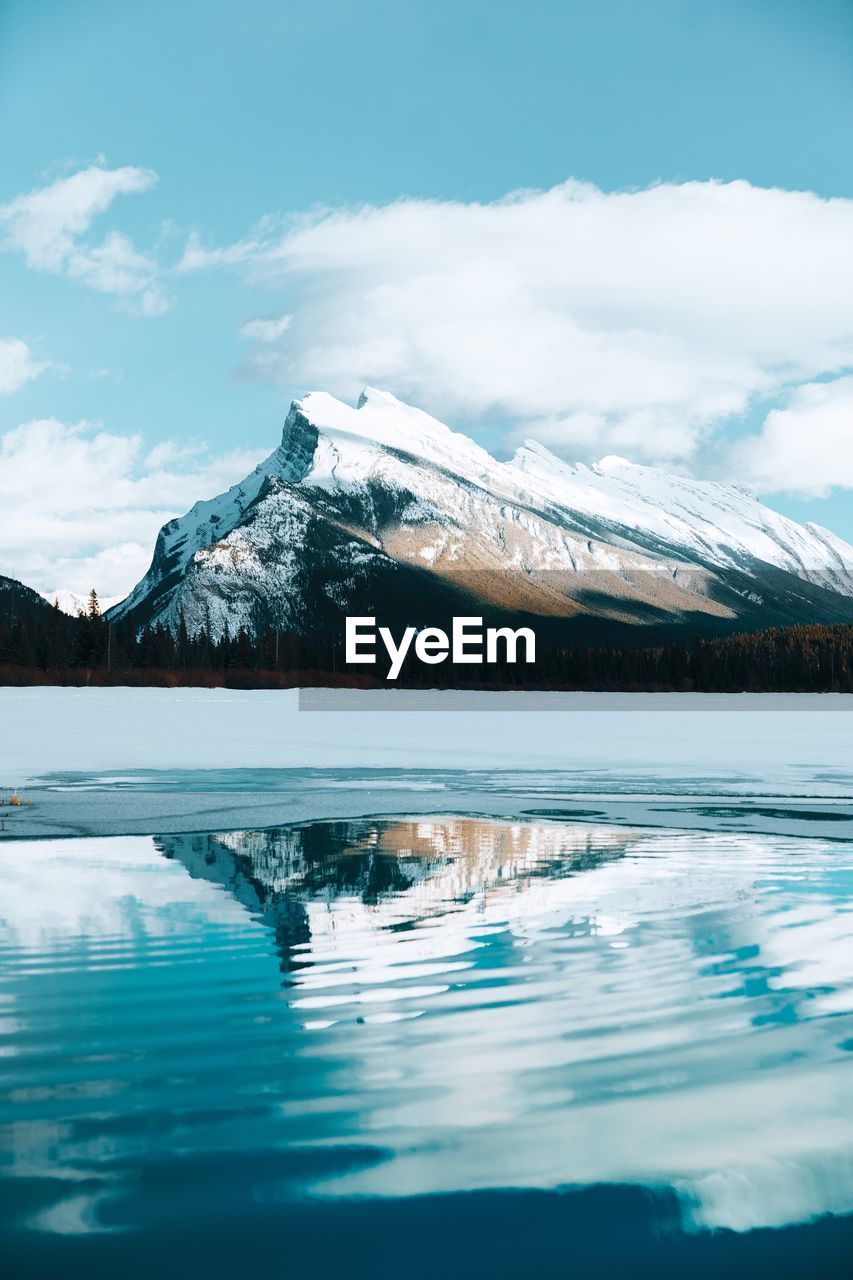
383	509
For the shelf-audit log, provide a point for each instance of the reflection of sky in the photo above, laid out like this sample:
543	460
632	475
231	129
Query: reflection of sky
85	893
533	1004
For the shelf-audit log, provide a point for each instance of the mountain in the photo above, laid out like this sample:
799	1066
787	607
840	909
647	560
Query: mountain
383	509
20	603
74	603
389	874
705	522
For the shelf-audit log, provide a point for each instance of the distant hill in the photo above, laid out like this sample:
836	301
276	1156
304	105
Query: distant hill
18	601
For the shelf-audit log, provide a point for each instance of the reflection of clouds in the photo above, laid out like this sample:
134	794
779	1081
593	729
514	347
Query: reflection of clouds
87	905
524	1004
81	892
775	1193
604	1025
813	946
9	1024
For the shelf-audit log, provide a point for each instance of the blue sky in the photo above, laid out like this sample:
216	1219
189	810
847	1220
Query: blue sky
278	110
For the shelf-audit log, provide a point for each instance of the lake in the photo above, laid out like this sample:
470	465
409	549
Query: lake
431	1044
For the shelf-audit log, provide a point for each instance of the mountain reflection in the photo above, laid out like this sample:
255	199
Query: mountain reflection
399	871
352	1012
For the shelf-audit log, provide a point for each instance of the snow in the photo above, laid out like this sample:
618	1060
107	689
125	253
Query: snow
724	524
795	743
381	419
460	507
72	602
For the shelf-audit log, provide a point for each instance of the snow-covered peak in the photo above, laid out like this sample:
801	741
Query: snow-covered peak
402	484
613	464
381	421
722	524
534	459
706	521
531	456
382	418
74	602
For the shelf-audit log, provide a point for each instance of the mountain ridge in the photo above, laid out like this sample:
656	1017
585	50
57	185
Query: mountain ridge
357	505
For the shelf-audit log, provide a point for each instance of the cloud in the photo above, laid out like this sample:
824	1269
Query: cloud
81	506
18	366
47	226
268	329
805	447
196	258
630	321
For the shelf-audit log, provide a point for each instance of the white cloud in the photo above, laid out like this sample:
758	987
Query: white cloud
266	329
18	366
806	447
633	322
47	226
81	506
196	257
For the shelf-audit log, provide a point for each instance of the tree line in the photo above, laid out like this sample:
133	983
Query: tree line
46	646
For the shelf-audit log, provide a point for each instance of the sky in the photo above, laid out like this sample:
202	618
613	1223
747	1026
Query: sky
615	227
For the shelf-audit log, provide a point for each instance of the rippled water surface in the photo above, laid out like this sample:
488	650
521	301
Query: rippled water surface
429	1047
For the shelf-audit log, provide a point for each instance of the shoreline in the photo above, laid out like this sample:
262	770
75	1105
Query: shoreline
113	812
141	761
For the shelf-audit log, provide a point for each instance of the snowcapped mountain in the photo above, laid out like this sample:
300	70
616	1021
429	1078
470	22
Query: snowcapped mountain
723	525
383	509
74	602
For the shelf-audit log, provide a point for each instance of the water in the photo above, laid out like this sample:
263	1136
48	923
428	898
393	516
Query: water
437	1046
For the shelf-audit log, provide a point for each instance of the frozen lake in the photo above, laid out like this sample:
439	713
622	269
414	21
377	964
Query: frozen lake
766	735
98	761
470	981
